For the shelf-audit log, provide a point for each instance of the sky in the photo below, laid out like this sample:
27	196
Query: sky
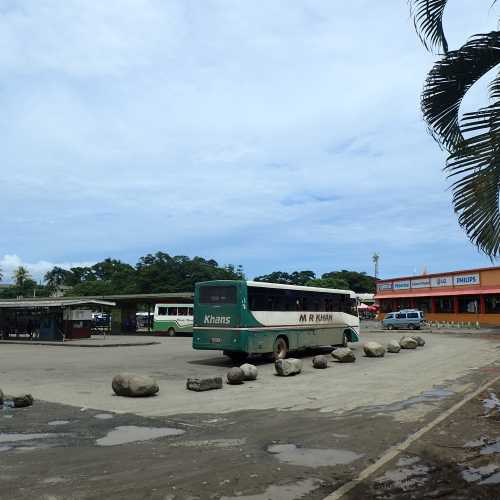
279	135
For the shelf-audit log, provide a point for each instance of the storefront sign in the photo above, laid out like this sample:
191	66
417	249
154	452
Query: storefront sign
384	286
401	285
466	279
421	283
441	281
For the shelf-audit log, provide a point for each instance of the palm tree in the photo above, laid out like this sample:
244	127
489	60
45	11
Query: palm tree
473	140
20	276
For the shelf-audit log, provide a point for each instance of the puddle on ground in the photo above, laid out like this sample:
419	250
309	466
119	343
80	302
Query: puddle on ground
55	480
131	434
405	478
104	416
13	437
476	443
491	448
474	474
491	403
425	397
58	422
312	457
404	461
215	443
5	448
291	491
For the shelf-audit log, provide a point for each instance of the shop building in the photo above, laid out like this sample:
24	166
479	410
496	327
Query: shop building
471	295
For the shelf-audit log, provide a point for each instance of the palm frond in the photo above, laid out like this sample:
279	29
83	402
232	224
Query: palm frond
428	20
476	163
450	79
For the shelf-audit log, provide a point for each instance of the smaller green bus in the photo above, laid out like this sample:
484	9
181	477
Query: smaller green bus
172	319
250	317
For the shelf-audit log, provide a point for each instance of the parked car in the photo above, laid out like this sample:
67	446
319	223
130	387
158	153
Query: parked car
406	318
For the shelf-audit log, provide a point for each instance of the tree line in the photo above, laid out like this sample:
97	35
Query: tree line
160	272
343	280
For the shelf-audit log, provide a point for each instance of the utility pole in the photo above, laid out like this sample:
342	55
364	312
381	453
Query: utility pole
375	259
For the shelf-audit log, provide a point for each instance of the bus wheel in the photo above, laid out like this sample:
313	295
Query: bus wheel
171	332
280	348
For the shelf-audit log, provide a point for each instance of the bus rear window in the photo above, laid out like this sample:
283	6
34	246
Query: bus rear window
218	294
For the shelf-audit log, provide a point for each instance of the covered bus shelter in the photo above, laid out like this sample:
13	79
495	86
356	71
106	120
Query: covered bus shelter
49	319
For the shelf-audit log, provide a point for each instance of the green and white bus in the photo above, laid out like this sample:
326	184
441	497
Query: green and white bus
171	319
250	317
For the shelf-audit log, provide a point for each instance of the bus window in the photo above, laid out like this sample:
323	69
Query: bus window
182	311
172	311
162	311
190	311
225	294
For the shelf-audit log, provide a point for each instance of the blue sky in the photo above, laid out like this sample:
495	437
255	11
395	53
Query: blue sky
273	134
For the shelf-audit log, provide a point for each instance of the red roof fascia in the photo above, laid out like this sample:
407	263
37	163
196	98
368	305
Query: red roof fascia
444	292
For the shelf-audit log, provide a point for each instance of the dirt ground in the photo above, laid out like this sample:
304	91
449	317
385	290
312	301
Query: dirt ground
261	451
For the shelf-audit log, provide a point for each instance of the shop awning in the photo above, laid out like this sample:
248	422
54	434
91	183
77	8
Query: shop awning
444	292
34	303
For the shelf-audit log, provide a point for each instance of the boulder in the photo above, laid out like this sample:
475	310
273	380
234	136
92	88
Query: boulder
22	400
320	362
420	340
344	355
374	349
134	385
203	384
408	343
393	346
250	371
235	376
287	367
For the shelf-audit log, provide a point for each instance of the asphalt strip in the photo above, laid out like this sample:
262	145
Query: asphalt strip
395	450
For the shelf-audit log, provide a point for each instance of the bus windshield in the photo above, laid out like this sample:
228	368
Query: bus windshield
224	294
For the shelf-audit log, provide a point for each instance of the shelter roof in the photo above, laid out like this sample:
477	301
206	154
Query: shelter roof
59	302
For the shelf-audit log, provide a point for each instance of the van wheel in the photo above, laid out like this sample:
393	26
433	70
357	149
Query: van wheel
345	340
411	326
171	332
280	348
390	327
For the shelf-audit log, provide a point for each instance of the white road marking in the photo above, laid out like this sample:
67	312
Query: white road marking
393	451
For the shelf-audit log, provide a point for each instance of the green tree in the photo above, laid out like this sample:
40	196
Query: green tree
56	277
473	140
295	278
337	283
21	276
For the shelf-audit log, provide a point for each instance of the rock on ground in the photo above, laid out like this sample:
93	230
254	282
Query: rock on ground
250	371
408	343
374	349
134	385
420	340
22	400
203	384
235	376
320	362
287	367
393	346
344	355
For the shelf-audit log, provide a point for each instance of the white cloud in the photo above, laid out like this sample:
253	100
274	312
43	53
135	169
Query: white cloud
226	129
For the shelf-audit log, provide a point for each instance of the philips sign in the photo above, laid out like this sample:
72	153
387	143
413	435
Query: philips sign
466	279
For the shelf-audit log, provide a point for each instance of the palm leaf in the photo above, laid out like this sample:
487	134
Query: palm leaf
450	79
428	20
476	165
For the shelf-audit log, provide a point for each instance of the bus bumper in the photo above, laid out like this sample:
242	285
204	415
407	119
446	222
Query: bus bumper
220	340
